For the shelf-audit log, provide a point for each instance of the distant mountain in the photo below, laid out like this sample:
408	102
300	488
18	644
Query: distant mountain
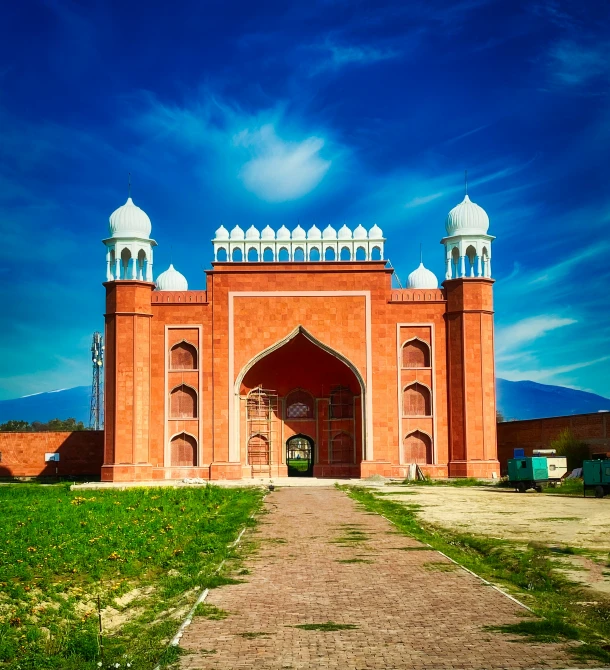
516	400
60	404
529	400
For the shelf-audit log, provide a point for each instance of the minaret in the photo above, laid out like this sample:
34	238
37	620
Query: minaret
129	249
128	320
470	343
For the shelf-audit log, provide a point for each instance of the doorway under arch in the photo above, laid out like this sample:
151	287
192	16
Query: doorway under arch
300	455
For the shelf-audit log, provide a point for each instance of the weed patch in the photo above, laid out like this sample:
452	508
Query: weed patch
440	566
545	630
145	553
355	560
209	611
254	635
327	626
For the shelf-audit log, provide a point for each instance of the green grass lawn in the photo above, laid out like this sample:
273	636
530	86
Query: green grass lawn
146	553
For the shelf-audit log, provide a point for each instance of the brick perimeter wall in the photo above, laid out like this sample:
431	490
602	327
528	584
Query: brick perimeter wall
80	453
594	429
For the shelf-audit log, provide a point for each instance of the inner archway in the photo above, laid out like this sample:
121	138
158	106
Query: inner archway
299	456
317	394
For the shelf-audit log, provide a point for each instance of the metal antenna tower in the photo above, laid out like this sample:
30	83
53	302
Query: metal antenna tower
96	415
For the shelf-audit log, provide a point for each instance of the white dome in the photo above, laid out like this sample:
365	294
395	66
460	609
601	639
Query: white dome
268	233
467	217
222	233
298	233
345	233
237	233
283	233
375	233
314	233
129	221
252	233
329	233
172	280
422	278
360	232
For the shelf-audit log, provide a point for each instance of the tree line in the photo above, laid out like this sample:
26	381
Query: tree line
67	425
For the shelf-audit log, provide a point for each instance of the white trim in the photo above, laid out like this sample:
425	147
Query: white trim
367	386
399	387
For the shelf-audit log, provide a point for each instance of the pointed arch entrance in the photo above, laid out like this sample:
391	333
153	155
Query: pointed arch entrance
300	455
308	378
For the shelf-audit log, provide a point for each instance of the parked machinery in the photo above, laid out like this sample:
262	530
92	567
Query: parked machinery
530	472
596	475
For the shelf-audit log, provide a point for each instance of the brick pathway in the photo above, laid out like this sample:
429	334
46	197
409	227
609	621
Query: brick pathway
408	609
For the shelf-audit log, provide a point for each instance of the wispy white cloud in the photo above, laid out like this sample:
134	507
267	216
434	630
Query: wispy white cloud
515	336
334	56
550	374
272	157
577	64
279	170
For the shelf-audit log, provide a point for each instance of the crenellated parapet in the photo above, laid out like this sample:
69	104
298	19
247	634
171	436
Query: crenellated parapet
299	245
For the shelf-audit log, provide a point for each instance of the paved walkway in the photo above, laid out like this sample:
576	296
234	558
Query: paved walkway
409	607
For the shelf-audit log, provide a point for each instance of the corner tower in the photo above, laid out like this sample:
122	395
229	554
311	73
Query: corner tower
129	272
471	382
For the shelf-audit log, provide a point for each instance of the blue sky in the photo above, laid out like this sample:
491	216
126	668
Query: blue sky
324	112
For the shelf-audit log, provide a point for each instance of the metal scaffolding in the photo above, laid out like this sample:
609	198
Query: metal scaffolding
262	444
96	413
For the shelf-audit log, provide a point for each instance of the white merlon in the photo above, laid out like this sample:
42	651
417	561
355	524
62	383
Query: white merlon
300	245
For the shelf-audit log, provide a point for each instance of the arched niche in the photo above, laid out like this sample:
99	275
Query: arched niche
342	448
299	405
183	402
417	448
417	400
416	354
183	356
183	450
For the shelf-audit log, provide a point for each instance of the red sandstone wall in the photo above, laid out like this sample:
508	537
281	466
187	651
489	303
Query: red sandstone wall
594	429
80	453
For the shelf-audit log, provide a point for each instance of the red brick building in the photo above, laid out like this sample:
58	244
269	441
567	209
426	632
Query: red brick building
299	348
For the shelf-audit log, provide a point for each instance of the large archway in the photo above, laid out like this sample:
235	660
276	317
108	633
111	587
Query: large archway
317	394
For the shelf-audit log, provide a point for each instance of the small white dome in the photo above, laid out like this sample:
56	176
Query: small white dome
129	221
222	233
467	217
283	233
345	233
268	233
237	233
299	233
422	278
375	233
360	232
314	233
172	280
252	233
329	233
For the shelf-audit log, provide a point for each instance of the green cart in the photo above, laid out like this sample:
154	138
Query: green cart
531	472
596	476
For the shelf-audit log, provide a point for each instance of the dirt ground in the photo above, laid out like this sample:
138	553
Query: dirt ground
556	520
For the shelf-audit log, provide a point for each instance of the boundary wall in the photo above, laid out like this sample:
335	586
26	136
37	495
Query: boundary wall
81	453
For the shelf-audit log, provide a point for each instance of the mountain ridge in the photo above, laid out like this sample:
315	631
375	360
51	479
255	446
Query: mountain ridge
515	400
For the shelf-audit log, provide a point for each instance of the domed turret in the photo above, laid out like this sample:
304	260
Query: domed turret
268	233
129	221
375	233
171	280
314	233
422	278
222	233
252	233
360	232
345	233
298	233
237	233
329	233
467	217
283	233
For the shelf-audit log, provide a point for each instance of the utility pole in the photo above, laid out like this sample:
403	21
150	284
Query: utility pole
96	415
